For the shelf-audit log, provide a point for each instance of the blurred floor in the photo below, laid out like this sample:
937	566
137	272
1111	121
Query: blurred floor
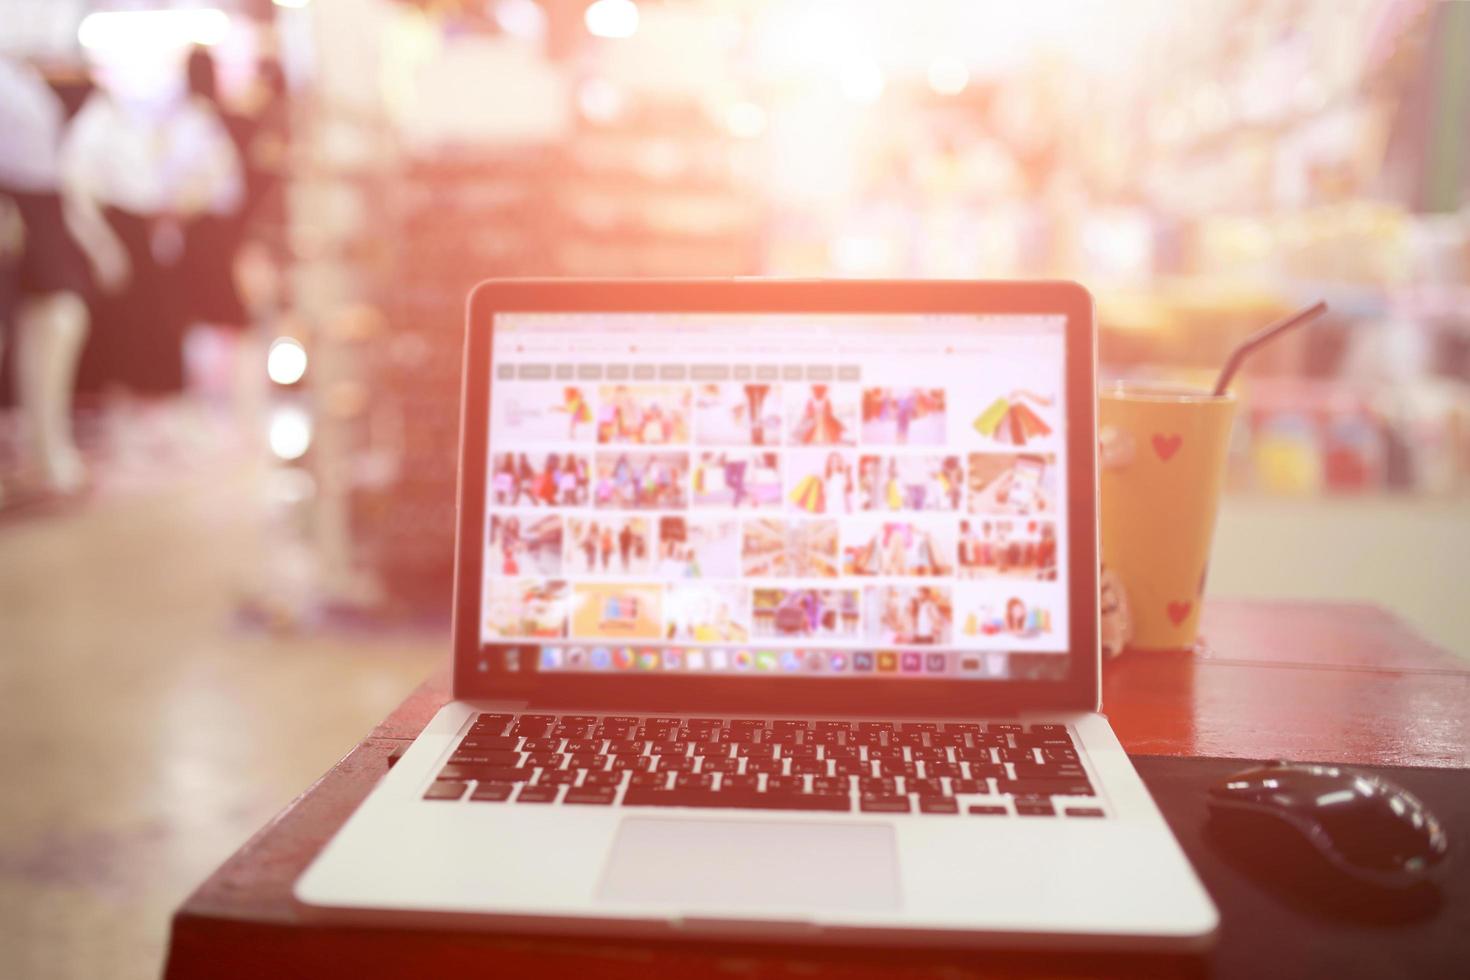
143	736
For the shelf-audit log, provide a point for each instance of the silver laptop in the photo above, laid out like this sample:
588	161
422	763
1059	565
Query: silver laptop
776	616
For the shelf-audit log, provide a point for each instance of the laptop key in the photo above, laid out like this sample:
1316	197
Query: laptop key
488	758
456	770
831	784
1043	787
737	800
556	777
445	789
969	786
884	804
1035	808
987	810
738	783
485	759
492	792
594	795
537	794
603	779
1033	771
712	764
489	743
1083	811
938	804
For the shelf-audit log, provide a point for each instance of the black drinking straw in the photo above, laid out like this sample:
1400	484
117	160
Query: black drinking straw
1262	337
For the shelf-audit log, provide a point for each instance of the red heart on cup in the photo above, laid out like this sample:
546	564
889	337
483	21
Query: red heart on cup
1167	446
1179	611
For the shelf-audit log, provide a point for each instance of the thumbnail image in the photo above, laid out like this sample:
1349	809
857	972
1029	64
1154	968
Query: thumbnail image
775	548
1006	483
707	614
698	547
985	617
524	544
805	613
645	415
899	548
1016	418
737	414
538	479
904	416
921	482
615	611
1007	548
630	480
609	545
543	413
517	608
821	481
908	615
822	415
737	479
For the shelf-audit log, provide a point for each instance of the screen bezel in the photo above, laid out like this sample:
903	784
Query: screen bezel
1078	690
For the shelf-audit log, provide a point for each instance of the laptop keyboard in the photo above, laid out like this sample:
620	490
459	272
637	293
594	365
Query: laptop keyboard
995	769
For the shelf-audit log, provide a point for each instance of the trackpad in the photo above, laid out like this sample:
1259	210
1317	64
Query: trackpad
717	864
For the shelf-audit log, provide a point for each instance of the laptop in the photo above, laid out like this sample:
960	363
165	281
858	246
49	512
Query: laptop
775	617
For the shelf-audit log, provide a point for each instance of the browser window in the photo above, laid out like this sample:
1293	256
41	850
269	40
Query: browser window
838	495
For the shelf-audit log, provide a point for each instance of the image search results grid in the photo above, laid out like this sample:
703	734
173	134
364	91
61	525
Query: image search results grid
740	501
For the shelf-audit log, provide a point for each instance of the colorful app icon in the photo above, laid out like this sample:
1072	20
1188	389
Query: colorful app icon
673	658
887	661
862	661
815	661
696	660
513	660
997	664
837	661
790	661
622	658
719	660
743	660
765	660
577	658
648	659
551	658
912	663
600	658
970	664
934	663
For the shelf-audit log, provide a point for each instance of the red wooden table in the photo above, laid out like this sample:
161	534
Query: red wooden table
1307	681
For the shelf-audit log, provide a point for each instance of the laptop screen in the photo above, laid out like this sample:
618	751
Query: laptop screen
767	495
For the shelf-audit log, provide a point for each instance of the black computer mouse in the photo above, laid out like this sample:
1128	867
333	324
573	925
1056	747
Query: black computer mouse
1367	830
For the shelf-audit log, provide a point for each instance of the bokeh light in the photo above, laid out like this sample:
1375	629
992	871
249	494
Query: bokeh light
285	363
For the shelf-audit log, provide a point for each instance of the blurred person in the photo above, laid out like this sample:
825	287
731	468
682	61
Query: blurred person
222	357
154	161
53	246
262	134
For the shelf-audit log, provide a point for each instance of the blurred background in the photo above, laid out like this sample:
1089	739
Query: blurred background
237	237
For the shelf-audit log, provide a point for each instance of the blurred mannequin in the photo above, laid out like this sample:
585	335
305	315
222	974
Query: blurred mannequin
44	276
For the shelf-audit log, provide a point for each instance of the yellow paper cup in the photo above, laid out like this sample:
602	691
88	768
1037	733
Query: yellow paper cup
1162	453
